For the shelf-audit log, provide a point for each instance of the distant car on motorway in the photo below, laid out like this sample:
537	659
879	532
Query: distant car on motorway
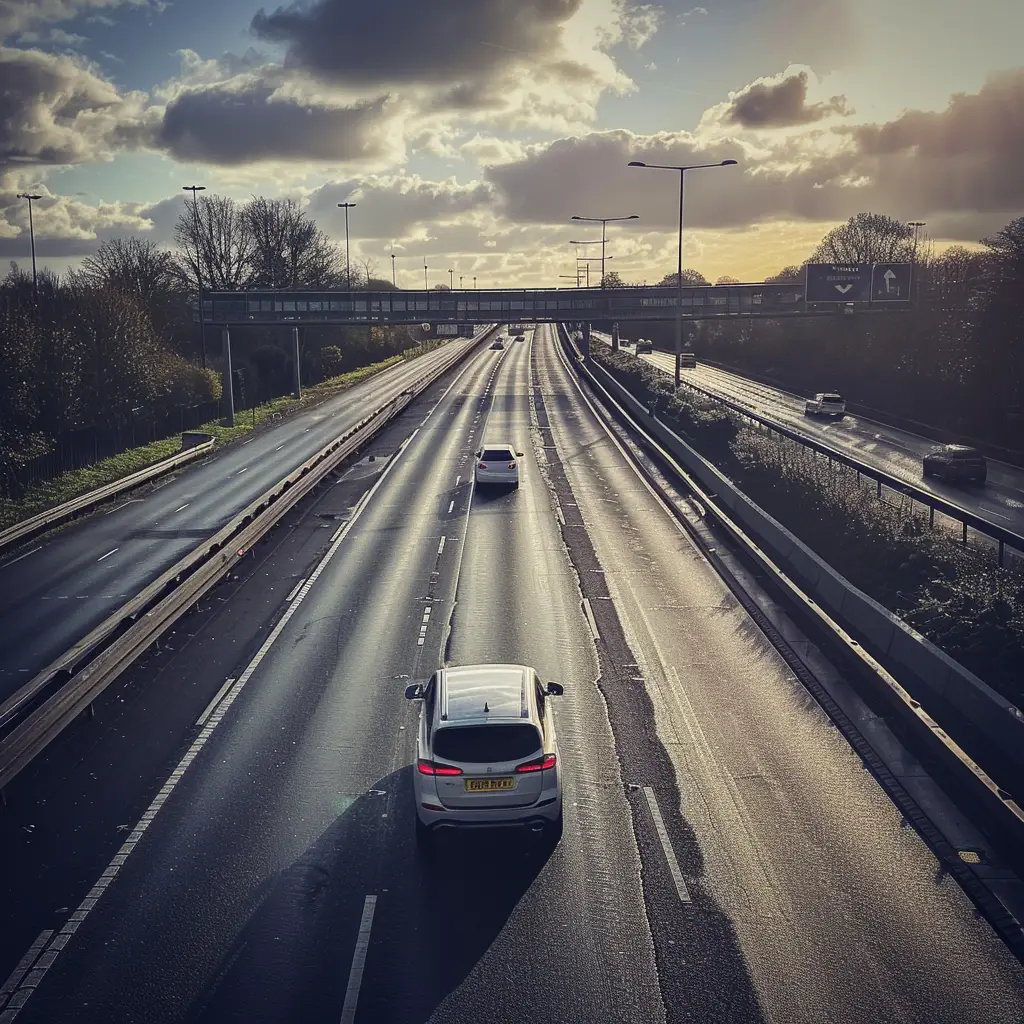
486	755
826	403
520	336
497	464
498	343
687	360
956	463
643	346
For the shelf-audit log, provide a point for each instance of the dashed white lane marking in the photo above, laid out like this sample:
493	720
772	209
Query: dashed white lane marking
244	443
124	504
993	512
355	974
560	514
294	590
201	720
73	923
108	554
457	479
20	557
673	864
244	469
14	979
592	622
440	546
451	506
186	505
279	447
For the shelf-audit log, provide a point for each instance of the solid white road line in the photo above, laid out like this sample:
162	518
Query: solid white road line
201	720
186	505
673	864
20	557
124	504
355	974
24	964
294	590
108	554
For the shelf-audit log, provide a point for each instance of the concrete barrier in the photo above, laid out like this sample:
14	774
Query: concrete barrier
924	670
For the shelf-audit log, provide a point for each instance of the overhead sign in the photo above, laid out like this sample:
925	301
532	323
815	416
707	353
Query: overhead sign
890	282
834	282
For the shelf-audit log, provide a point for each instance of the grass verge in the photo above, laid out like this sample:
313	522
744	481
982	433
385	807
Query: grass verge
50	493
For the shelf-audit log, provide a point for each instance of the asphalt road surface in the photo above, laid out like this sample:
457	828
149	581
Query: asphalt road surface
1000	500
725	857
60	587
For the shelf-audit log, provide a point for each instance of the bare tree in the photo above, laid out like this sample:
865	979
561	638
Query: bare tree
726	279
785	275
288	249
612	279
216	242
867	238
691	279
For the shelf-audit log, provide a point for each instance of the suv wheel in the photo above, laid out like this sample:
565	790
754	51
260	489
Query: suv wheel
553	832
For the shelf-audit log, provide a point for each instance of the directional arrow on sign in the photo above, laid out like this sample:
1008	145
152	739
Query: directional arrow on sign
890	282
889	277
843	288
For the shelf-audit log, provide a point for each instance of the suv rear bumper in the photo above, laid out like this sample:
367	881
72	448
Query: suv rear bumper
544	812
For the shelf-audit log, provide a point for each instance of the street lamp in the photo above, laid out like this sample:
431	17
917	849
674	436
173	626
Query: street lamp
32	242
451	280
199	266
916	225
460	282
394	280
593	259
348	262
474	280
426	287
679	284
604	222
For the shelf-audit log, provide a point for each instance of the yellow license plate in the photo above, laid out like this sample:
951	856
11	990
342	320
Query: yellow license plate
488	785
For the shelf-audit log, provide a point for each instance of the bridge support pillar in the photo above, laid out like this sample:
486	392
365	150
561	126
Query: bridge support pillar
615	337
586	342
298	365
679	344
228	396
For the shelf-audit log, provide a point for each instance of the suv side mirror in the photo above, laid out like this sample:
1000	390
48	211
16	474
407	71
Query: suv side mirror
478	452
414	691
519	455
554	689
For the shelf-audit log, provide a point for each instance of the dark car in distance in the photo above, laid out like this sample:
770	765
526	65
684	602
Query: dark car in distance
956	463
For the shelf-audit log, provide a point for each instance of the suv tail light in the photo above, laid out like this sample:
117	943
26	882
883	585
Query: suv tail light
511	465
547	761
483	465
431	768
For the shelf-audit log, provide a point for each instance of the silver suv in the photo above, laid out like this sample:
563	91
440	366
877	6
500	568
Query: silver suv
485	752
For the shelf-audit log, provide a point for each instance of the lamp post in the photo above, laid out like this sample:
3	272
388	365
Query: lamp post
199	267
426	286
474	280
604	222
593	259
679	283
460	282
451	280
32	242
916	225
394	280
348	260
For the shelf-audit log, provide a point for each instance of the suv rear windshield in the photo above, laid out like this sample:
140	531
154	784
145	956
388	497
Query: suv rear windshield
483	744
832	398
968	456
496	455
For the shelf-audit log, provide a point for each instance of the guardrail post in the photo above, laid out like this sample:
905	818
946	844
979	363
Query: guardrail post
965	531
586	342
615	337
229	392
298	365
1002	546
879	483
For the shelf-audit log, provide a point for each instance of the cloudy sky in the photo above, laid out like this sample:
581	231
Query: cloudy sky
469	132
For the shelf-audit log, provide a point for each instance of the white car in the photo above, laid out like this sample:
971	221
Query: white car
497	464
826	403
486	755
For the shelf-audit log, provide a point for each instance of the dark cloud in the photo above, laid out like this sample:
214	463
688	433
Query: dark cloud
779	103
241	123
55	111
396	42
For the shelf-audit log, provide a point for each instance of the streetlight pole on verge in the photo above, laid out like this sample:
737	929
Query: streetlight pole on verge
394	280
460	282
32	242
604	222
679	283
474	280
348	260
916	225
451	280
199	267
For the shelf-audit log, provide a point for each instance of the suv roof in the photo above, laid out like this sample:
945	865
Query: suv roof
962	451
464	692
830	396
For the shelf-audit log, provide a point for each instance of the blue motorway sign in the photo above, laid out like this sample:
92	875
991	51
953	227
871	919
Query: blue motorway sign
890	282
835	282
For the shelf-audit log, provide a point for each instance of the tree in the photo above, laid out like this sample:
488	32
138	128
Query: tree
288	249
379	284
216	241
154	276
613	279
691	279
441	288
867	238
726	279
786	275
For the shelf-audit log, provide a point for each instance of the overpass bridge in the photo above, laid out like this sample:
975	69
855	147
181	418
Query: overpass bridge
530	305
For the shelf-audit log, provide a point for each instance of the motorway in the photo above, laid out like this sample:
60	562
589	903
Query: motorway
262	866
54	592
896	452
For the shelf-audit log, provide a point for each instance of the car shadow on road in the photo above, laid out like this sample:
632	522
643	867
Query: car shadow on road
434	917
